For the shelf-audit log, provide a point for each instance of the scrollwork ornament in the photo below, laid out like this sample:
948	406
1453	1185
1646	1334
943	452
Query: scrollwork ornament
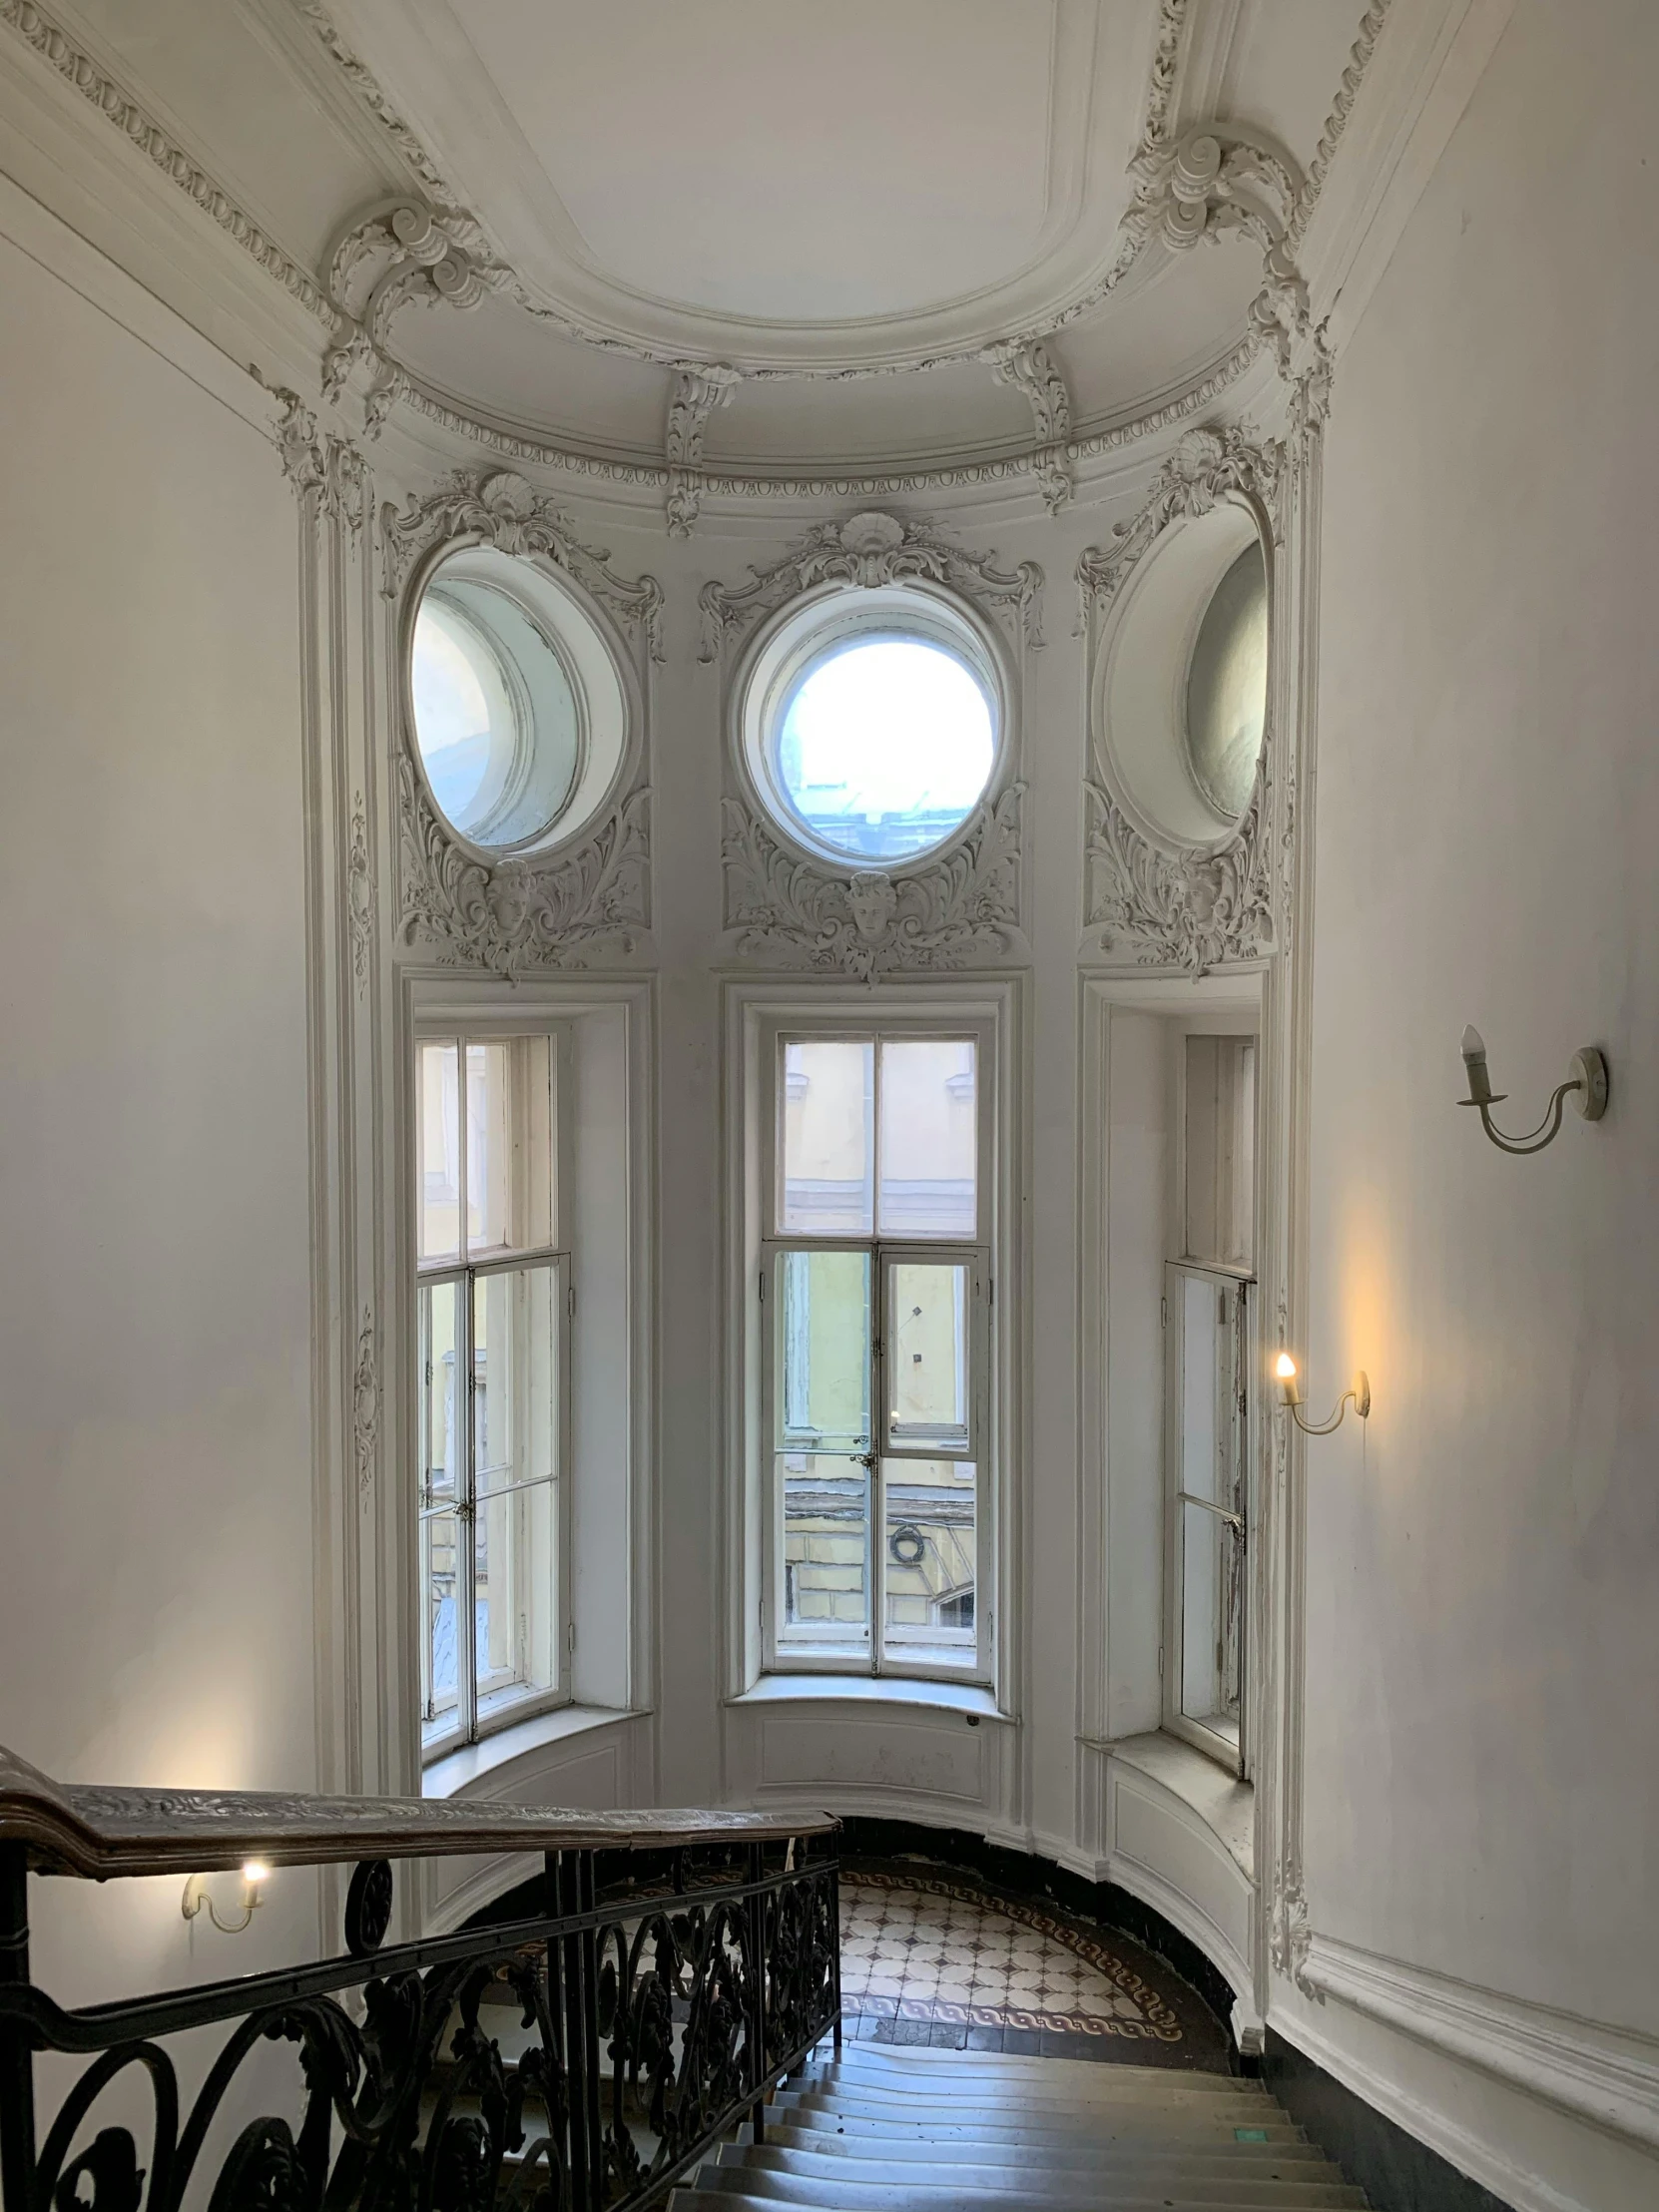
359	896
365	1404
869	550
954	911
559	911
1194	910
1208	464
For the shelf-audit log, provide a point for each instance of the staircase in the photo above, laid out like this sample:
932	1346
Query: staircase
897	2129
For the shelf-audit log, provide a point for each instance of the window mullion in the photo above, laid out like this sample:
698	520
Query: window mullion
877	1429
466	1596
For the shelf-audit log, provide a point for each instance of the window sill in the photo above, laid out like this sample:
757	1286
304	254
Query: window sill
970	1698
1225	1805
478	1769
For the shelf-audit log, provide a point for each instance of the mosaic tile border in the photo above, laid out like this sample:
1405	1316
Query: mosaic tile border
1161	2023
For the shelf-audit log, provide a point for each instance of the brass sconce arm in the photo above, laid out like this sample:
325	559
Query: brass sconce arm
1586	1077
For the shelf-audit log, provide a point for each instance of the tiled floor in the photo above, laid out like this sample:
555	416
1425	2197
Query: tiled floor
929	1960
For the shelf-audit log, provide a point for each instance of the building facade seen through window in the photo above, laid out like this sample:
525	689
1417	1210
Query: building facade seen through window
877	1280
492	1302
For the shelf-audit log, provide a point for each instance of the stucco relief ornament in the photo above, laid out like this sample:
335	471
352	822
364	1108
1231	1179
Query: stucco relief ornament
956	911
1291	1938
869	550
1193	910
365	1404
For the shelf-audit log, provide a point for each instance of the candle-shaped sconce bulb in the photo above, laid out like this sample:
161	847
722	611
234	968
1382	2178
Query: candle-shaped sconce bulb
1474	1061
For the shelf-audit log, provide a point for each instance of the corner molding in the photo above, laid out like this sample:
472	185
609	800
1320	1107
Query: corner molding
547	911
953	912
868	550
1606	2075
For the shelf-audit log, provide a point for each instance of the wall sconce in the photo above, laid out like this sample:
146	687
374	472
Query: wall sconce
1284	1368
254	1873
1586	1076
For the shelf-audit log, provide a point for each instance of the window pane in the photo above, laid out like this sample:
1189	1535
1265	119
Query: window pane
438	1413
1209	1461
826	1513
509	1144
928	1357
515	1457
931	1554
824	1120
437	1152
1212	1598
928	1157
822	1375
439	1655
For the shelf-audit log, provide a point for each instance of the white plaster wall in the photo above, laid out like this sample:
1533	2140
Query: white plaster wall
1483	1753
154	1298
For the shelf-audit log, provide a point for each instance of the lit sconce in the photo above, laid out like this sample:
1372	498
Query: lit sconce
1284	1368
1587	1084
254	1873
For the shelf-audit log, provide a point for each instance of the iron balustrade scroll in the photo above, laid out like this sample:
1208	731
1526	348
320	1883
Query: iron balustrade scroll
578	2057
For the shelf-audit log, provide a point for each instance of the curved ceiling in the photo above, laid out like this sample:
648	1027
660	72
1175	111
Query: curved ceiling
746	241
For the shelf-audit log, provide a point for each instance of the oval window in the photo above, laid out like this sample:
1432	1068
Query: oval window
872	724
517	704
1226	686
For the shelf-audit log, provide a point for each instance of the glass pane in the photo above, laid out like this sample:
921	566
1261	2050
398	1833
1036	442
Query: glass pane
927	1356
438	1410
439	1657
928	1138
1207	1389
825	1118
515	1398
1212	1601
826	1513
437	1152
885	746
1226	686
509	1144
931	1563
822	1375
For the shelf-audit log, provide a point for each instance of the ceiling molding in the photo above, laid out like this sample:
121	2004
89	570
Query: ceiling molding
697	393
1029	367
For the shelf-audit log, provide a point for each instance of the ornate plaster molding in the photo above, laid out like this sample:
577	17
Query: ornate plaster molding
957	912
37	30
1029	367
1359	61
869	550
501	509
1207	466
559	910
324	469
1290	1937
365	1404
1194	910
516	916
697	393
359	896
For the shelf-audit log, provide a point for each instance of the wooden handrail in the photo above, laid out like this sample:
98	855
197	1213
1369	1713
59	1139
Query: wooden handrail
99	1831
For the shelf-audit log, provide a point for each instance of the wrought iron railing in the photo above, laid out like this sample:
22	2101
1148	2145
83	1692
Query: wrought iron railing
640	2028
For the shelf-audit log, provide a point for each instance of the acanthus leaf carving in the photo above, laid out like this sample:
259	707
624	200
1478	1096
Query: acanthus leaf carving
697	391
324	469
500	508
1028	366
952	912
869	550
365	1404
557	911
1207	466
359	909
1195	910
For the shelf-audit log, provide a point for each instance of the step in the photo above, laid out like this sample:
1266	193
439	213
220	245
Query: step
1160	2131
906	2059
1294	2159
1235	2181
765	2192
923	2104
1093	2082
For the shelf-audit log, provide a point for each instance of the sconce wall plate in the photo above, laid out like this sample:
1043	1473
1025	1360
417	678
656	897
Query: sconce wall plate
1586	1085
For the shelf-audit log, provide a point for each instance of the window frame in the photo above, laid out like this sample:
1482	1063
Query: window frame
470	1725
879	1018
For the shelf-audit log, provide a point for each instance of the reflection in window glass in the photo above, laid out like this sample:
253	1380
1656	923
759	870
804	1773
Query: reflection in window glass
1226	686
885	747
824	1318
927	1137
928	1357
